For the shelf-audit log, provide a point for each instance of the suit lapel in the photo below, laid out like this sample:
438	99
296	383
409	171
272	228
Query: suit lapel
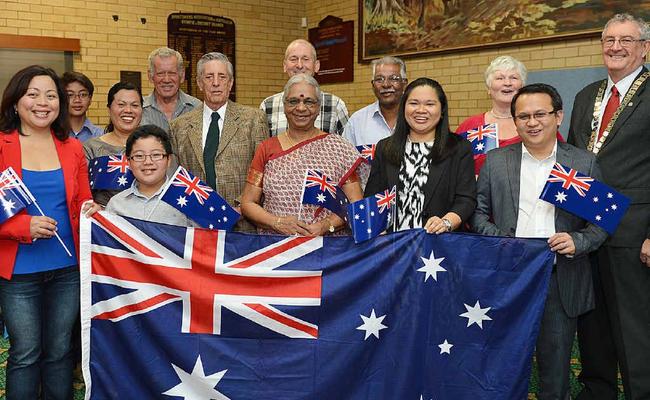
230	126
11	153
564	157
513	169
435	173
194	131
627	111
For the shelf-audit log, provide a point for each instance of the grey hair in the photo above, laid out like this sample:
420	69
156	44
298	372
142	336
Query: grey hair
163	52
644	31
300	78
305	42
505	63
389	60
214	56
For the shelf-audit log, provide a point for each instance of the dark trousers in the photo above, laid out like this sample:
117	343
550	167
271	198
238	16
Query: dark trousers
553	350
597	349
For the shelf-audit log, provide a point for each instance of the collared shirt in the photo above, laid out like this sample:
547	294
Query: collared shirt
622	86
151	113
332	117
207	118
88	131
131	203
367	126
536	218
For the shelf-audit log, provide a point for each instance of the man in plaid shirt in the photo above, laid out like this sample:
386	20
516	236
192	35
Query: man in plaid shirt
300	58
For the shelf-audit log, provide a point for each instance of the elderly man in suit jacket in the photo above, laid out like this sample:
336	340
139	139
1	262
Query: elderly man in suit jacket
216	142
611	119
509	187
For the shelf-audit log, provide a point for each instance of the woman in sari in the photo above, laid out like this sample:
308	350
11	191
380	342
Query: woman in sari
272	196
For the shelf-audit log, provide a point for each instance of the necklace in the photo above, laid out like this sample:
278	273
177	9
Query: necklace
499	116
293	142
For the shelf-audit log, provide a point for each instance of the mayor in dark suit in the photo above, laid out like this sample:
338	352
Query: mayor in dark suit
432	168
611	119
509	187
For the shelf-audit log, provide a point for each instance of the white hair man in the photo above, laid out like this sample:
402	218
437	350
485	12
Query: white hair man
300	58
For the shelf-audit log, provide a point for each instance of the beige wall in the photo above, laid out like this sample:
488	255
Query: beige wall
263	28
461	74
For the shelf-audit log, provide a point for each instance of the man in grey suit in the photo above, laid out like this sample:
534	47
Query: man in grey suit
611	119
509	187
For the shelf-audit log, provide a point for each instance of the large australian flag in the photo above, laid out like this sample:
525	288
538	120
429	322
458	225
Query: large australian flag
585	197
188	313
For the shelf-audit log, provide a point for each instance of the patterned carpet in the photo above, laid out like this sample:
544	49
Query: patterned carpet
79	385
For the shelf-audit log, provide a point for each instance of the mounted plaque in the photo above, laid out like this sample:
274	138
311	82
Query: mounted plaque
193	35
334	43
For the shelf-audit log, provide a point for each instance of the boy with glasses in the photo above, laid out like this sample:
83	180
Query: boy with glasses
80	94
148	150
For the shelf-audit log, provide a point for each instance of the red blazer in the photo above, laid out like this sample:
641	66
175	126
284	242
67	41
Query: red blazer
77	191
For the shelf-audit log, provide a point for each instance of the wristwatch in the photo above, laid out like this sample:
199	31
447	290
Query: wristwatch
447	224
331	229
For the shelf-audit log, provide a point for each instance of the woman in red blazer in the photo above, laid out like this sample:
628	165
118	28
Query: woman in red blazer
39	281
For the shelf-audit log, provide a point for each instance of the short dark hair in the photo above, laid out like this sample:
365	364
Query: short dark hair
146	131
83	80
556	100
442	146
16	89
111	96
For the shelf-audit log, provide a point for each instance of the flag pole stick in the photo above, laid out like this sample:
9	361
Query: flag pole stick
33	199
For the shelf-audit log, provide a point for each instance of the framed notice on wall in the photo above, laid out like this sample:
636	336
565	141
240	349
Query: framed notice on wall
334	43
193	35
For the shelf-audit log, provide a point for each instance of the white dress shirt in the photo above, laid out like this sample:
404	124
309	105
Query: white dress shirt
207	118
536	218
622	86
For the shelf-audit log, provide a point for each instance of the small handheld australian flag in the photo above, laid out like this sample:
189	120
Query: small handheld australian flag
110	172
320	190
367	152
585	197
13	199
483	139
371	216
194	198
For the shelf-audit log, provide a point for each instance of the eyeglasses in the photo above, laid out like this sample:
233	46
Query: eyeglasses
308	102
141	157
539	116
379	80
80	95
295	59
624	41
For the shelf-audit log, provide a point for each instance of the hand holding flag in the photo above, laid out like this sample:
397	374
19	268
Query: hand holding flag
371	216
585	197
12	198
191	196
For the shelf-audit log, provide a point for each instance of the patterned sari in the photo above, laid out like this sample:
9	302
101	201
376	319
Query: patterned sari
281	173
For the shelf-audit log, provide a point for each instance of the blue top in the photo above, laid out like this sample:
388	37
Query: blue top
48	188
88	130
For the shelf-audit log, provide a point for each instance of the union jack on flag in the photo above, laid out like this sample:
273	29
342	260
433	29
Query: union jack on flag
320	190
196	273
118	163
367	152
191	185
569	178
13	197
386	199
318	179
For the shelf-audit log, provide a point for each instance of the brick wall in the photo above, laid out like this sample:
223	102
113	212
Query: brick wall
461	74
263	28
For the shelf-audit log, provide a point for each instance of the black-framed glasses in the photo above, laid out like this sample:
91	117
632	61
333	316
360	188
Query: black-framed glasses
624	41
294	102
380	80
141	157
80	95
539	116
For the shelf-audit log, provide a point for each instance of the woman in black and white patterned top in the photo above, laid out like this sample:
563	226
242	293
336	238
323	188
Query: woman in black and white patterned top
432	168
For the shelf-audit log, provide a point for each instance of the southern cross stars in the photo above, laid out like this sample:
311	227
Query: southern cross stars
476	315
196	385
432	267
445	347
372	324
